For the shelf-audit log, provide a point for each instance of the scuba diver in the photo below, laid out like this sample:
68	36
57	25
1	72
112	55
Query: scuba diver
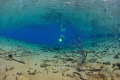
62	28
61	36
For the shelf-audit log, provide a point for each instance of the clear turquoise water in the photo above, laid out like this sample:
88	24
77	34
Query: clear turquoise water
39	21
45	34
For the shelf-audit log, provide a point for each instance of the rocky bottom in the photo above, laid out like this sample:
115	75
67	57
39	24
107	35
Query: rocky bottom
23	61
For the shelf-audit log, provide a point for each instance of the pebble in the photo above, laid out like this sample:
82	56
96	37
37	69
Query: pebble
69	75
106	63
19	73
55	71
64	70
44	65
116	57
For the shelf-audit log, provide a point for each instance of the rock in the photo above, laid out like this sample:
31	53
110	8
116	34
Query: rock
44	65
69	75
10	55
74	61
104	50
116	57
10	68
116	64
35	64
115	68
32	72
56	57
55	61
93	60
67	65
106	63
55	71
104	68
97	55
19	73
64	70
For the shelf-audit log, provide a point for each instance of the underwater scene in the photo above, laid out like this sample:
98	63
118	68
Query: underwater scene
59	39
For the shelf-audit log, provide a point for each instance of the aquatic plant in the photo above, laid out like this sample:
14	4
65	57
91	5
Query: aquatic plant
84	55
79	49
79	46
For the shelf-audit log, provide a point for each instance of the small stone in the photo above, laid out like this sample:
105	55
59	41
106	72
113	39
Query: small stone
93	60
54	62
69	75
67	65
56	57
28	71
116	57
116	64
104	68
44	65
11	68
64	70
55	71
115	68
19	73
10	55
33	72
104	51
106	63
